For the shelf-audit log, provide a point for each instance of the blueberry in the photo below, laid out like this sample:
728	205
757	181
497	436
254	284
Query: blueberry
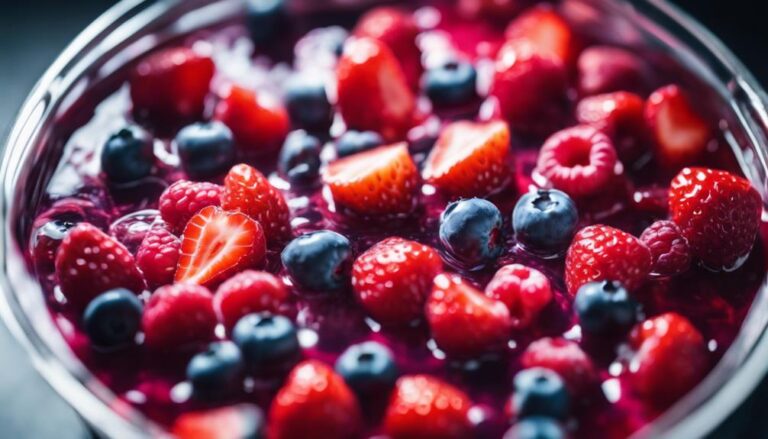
539	392
545	221
266	18
319	261
307	102
113	318
206	150
299	159
353	142
451	83
605	307
536	427
128	155
266	341
470	231
217	372
368	368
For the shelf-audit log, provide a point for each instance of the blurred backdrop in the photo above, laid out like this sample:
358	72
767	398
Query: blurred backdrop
33	32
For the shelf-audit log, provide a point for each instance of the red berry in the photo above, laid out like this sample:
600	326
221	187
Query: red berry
669	248
217	244
423	407
45	242
258	122
171	85
578	161
381	181
247	190
470	159
606	69
524	290
670	357
183	199
248	292
397	29
680	134
464	322
393	279
231	422
718	213
542	27
90	262
491	9
564	357
620	116
373	93
530	87
314	402
178	315
603	253
158	256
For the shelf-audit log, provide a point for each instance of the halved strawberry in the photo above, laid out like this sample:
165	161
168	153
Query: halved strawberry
469	159
233	422
546	30
258	122
681	135
217	244
248	190
376	182
373	93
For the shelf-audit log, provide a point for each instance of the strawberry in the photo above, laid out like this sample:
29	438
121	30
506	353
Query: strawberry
177	316
620	116
217	244
90	262
381	181
373	93
424	407
171	85
316	403
680	134
606	69
158	256
259	123
397	29
469	159
530	88
564	357
464	322
232	422
183	199
669	358
393	279
249	292
248	190
600	252
718	213
669	249
524	290
546	31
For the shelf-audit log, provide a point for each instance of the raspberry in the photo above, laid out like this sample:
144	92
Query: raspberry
524	290
158	256
669	249
178	315
603	253
564	357
620	116
606	69
183	199
718	213
248	292
579	161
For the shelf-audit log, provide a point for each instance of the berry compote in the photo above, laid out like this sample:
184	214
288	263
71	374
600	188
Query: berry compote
442	219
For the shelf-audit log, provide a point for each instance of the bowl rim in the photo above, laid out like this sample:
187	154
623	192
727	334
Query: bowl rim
89	397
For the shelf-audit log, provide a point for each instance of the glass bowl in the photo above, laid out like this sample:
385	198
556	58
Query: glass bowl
89	68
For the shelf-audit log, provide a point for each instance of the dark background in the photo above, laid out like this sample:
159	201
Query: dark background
33	32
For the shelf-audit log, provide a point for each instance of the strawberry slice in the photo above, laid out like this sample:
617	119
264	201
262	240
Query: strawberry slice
258	123
546	31
232	422
217	244
248	190
373	93
681	135
376	182
469	159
